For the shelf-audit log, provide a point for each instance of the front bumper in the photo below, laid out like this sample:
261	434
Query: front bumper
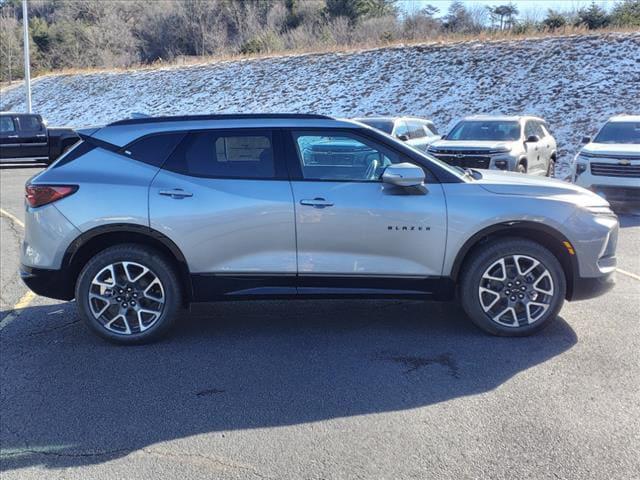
47	283
617	194
619	188
585	288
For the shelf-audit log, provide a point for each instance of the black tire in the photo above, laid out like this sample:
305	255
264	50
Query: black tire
521	167
472	277
158	267
551	169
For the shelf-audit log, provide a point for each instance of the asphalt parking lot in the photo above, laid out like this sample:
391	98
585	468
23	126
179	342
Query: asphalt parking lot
319	390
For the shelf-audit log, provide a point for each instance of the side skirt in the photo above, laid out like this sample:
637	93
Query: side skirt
220	287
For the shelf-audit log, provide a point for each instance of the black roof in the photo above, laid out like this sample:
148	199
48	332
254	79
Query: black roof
226	116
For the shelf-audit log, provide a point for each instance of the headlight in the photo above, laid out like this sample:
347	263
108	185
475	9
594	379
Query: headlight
500	150
600	210
501	164
581	168
432	149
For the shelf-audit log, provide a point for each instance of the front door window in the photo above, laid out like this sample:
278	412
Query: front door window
341	157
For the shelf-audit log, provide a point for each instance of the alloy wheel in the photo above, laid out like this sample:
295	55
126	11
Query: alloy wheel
126	298
516	290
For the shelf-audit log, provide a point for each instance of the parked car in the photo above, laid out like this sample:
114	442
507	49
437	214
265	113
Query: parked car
147	215
519	144
417	132
609	164
24	137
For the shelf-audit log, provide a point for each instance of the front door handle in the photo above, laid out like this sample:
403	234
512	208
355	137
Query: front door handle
316	203
176	193
12	136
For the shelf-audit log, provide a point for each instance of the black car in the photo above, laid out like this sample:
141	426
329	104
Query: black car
24	137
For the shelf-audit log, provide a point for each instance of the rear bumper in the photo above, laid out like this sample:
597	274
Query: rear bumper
585	288
47	283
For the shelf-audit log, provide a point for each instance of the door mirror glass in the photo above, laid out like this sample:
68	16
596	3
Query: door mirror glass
403	175
586	140
403	137
533	139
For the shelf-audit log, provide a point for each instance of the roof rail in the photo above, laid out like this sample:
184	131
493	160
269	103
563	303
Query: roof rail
229	116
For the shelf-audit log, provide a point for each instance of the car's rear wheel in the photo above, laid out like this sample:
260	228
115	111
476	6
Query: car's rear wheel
128	294
512	287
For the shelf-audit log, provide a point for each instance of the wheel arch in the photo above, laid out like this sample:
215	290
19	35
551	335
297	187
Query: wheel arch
97	239
548	237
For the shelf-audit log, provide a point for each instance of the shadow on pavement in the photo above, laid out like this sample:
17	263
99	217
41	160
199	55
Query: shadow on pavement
70	399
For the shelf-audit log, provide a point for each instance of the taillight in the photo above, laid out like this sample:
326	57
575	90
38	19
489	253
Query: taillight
39	195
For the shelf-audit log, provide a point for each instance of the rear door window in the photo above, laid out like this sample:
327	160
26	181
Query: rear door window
431	128
30	123
154	149
225	154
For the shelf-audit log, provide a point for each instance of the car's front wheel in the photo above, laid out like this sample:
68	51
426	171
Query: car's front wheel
512	287
551	168
128	294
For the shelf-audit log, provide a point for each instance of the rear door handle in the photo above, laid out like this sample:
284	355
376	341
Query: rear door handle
12	136
176	193
316	203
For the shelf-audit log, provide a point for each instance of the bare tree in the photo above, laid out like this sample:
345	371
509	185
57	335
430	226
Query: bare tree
10	46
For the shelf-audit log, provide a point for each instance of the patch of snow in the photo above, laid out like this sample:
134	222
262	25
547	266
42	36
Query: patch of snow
576	83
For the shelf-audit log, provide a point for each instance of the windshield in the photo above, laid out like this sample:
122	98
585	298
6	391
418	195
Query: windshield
384	125
619	132
485	130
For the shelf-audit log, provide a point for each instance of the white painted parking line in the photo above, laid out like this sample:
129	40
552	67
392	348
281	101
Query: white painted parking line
11	217
628	274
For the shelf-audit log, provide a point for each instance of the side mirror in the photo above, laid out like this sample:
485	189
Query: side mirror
586	140
404	138
403	175
532	139
443	137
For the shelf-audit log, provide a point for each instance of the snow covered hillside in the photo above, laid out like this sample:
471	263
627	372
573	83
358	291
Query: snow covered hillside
575	83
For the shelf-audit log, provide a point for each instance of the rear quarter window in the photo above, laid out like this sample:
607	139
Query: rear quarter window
154	149
79	149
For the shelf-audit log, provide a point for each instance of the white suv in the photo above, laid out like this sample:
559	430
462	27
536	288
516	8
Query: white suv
609	164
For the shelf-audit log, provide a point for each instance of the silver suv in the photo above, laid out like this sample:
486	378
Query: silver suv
519	144
145	216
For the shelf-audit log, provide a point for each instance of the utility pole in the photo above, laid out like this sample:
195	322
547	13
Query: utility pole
27	63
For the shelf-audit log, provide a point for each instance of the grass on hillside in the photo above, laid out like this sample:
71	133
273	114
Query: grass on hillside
442	39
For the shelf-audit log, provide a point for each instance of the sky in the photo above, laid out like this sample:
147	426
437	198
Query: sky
523	5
